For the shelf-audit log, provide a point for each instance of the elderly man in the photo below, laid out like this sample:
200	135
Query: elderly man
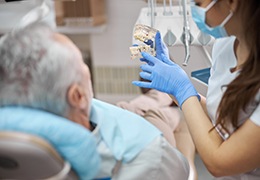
44	70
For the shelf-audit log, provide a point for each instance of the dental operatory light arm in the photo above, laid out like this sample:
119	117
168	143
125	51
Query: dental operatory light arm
7	1
35	14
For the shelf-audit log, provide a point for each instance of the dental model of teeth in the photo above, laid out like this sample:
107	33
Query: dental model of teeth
136	51
146	35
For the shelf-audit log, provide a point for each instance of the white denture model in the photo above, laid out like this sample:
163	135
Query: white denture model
146	35
136	51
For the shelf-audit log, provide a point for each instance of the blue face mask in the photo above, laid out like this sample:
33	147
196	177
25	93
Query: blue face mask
199	17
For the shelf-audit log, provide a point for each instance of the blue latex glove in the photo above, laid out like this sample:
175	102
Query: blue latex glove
166	76
160	47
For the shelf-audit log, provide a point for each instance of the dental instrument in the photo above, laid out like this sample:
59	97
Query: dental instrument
186	35
169	37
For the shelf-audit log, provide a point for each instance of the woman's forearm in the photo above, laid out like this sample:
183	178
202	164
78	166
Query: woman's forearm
203	103
206	141
238	154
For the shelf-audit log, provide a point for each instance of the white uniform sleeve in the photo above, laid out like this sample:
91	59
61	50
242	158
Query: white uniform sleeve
158	161
255	117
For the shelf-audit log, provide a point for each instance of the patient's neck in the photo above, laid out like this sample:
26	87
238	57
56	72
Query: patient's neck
80	117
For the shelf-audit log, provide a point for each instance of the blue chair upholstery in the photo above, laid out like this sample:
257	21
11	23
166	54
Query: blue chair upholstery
73	142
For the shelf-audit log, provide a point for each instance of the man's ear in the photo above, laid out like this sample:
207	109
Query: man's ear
76	96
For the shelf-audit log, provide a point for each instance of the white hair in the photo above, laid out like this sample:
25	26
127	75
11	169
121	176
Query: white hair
36	70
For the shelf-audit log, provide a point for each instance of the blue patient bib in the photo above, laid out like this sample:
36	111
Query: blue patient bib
125	133
73	142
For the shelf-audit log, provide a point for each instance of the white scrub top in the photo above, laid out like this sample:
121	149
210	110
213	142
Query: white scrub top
223	60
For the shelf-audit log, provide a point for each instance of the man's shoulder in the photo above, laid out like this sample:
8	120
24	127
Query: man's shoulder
125	133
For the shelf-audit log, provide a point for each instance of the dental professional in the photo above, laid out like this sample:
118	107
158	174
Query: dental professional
225	126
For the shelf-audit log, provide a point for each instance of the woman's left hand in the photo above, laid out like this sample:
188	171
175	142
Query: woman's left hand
166	76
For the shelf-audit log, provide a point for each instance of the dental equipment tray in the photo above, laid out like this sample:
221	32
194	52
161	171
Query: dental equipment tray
202	75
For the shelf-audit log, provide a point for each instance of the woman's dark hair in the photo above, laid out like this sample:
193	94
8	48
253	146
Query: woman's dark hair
241	91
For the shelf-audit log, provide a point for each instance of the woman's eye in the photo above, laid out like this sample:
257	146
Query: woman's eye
196	3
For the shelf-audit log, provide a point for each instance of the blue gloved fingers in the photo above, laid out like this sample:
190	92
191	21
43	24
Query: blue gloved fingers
135	45
142	84
149	58
148	62
160	46
146	68
167	60
158	42
145	75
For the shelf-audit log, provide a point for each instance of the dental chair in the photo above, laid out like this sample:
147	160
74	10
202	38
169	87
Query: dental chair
25	156
35	144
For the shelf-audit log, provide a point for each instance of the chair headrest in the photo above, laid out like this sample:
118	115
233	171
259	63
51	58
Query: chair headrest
26	156
73	142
